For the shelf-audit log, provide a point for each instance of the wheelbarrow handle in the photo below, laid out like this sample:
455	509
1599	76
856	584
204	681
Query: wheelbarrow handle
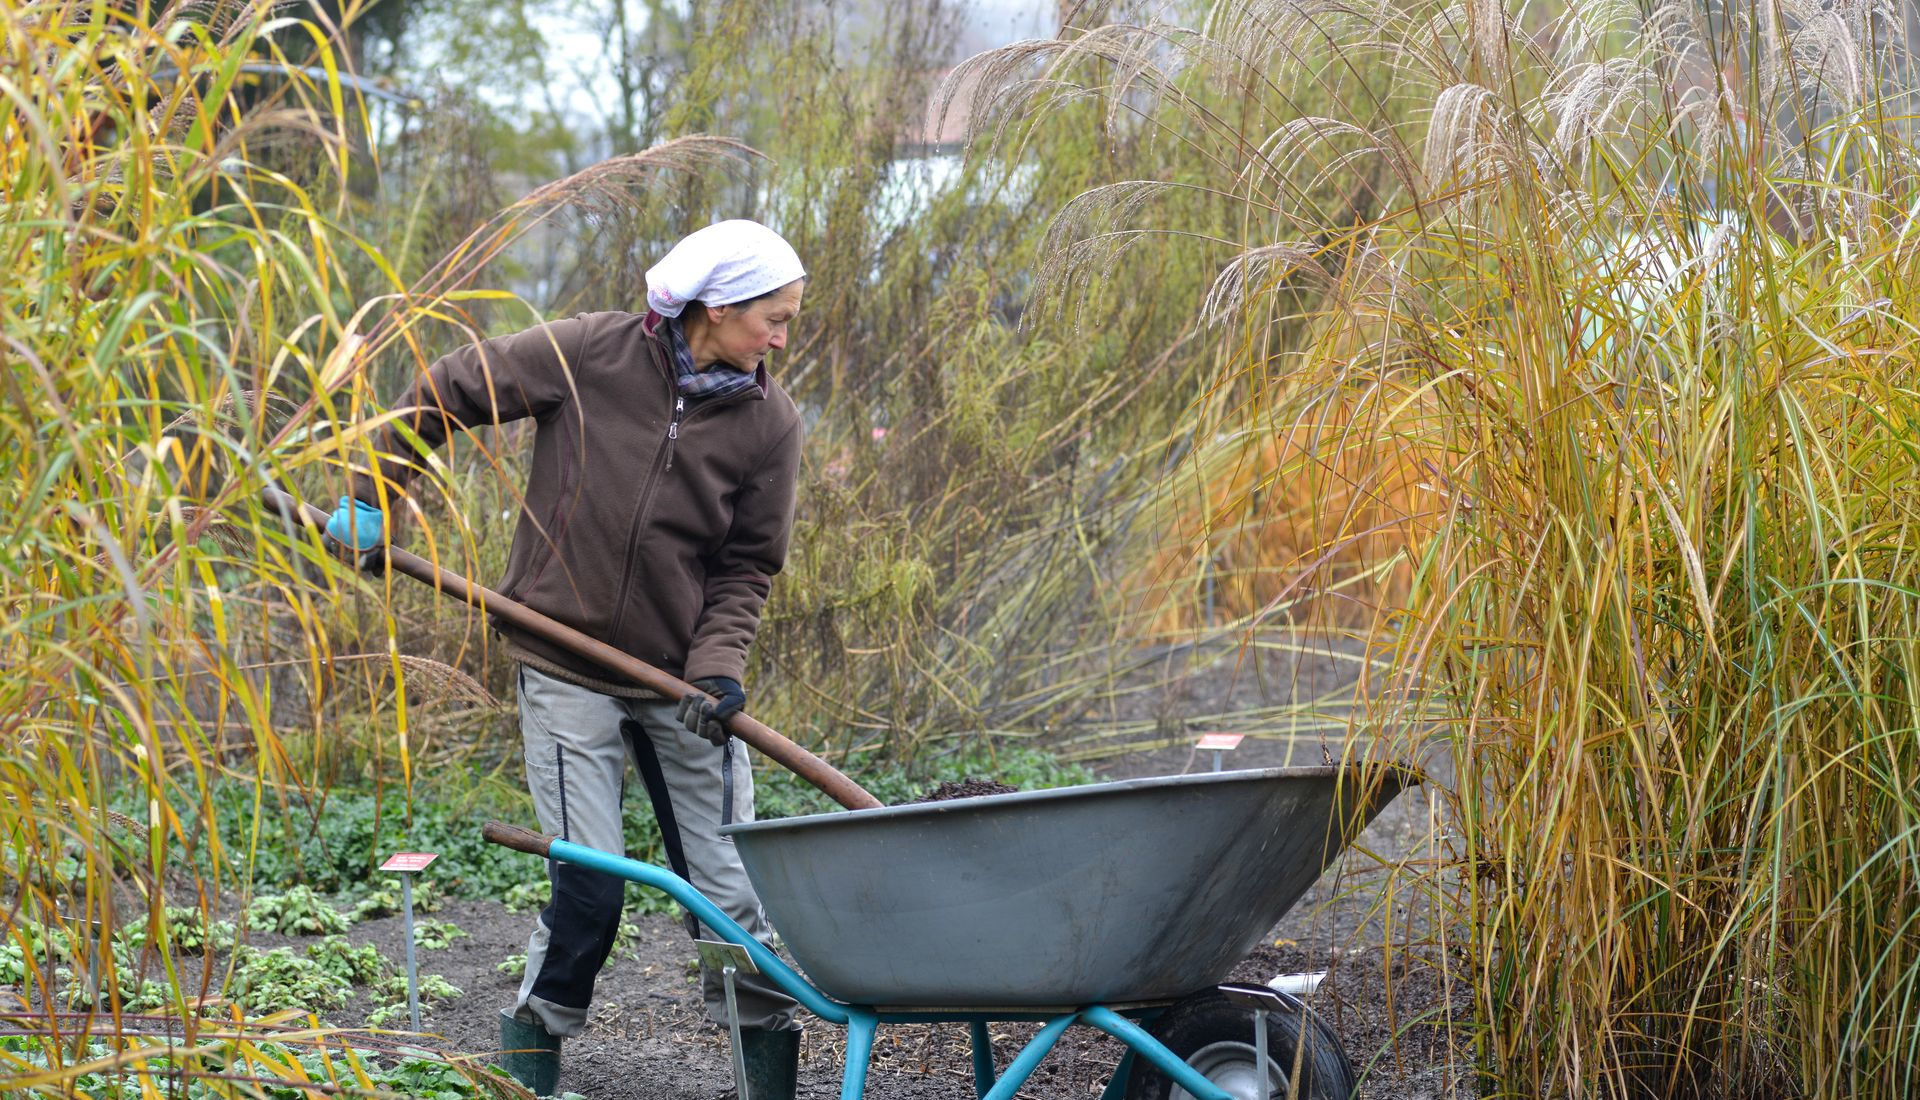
515	837
772	745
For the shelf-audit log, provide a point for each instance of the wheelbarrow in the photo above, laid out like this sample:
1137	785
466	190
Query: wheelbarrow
1117	906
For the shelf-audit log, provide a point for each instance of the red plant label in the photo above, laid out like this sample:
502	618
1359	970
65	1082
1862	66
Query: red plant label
406	862
1217	742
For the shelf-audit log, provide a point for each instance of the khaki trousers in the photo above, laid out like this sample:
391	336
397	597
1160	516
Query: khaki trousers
578	744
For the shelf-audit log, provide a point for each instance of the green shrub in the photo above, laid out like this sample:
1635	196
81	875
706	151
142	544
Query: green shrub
190	931
780	793
525	896
251	1057
28	947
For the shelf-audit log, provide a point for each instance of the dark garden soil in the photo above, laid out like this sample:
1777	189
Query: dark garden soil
964	788
649	1040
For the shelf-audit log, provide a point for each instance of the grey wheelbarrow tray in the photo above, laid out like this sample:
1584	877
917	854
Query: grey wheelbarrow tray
1083	905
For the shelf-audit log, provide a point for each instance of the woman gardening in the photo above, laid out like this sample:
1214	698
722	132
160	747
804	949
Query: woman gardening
658	504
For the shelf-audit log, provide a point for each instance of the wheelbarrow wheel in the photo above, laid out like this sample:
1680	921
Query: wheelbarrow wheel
1215	1037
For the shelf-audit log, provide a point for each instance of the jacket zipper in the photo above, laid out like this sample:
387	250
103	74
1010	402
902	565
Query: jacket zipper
673	428
645	506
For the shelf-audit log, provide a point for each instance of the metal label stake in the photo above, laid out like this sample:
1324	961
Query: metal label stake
405	864
1218	743
1261	1001
730	959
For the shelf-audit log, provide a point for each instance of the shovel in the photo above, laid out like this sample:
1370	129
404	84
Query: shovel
771	744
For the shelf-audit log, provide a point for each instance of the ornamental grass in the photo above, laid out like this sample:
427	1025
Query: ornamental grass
1633	290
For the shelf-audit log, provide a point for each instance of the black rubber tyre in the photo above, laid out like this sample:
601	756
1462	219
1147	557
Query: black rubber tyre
1214	1036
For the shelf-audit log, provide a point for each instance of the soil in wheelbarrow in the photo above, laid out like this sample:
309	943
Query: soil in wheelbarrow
963	788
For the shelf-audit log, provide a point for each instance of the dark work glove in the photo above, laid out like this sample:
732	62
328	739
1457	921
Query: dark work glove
708	717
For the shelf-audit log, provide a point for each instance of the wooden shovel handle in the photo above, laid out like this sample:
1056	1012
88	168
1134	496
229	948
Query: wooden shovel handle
772	745
515	837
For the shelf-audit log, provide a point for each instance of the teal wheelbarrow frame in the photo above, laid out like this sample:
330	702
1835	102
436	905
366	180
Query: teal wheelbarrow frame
861	1021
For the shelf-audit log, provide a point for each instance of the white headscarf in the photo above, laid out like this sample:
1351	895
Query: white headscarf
724	263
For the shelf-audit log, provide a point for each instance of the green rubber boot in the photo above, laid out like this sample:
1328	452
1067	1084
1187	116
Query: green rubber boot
530	1054
773	1063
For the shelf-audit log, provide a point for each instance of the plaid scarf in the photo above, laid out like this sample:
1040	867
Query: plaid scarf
722	380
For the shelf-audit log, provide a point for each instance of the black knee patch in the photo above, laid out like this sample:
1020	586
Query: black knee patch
581	919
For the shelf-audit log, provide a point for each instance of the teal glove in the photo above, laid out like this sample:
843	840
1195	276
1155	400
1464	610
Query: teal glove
357	524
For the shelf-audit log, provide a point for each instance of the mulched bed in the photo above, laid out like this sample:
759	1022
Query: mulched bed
649	1038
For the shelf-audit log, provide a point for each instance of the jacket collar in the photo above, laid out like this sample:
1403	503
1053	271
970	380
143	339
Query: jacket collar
651	326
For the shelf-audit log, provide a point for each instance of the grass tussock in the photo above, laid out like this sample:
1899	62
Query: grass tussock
1634	291
192	315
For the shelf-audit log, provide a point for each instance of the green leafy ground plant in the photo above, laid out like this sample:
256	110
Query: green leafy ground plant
395	1009
297	912
281	1070
436	935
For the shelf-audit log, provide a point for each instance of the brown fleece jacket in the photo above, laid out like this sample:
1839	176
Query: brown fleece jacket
650	523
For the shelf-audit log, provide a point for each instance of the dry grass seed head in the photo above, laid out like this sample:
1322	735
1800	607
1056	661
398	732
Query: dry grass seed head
1465	143
1312	140
1706	120
238	408
1575	214
1261	271
1146	62
1022	82
1489	34
1378	281
1592	101
428	678
297	128
1001	85
1088	237
1283	35
611	185
1585	32
1825	47
221	18
1439	52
